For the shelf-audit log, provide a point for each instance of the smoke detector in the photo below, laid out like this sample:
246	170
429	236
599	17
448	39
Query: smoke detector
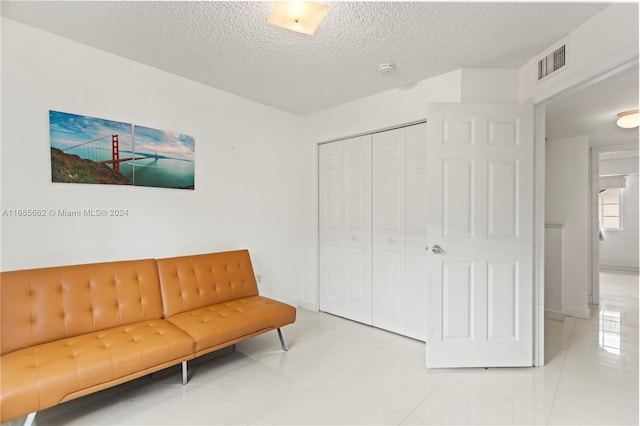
386	68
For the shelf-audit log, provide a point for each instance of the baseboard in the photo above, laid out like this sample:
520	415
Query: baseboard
313	307
621	268
554	315
576	312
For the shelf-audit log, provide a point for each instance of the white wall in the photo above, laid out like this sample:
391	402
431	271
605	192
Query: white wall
606	41
247	165
553	272
618	166
568	202
490	85
620	247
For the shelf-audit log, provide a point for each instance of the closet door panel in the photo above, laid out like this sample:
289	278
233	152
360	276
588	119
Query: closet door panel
389	269
373	225
345	228
357	236
416	231
331	228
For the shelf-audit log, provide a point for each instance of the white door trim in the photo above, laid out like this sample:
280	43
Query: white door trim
372	132
538	233
594	257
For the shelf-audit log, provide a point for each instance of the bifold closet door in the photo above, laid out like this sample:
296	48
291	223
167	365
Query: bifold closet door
389	192
345	228
416	203
399	231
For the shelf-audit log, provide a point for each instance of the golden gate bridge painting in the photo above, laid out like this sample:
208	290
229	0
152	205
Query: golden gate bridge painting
94	150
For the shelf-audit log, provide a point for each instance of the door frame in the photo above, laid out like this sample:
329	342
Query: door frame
539	207
539	172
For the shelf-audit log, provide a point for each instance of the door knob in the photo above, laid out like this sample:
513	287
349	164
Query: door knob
437	249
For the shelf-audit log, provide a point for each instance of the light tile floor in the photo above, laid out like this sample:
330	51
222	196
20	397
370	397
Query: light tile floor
341	372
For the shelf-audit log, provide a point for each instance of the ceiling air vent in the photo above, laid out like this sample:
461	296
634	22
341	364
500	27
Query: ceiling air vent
552	62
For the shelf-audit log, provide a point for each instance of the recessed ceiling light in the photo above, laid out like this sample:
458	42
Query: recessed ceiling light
299	16
628	119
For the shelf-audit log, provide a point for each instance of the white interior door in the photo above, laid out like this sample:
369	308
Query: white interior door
345	228
480	235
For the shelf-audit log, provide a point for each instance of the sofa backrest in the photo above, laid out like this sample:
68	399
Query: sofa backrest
192	282
42	305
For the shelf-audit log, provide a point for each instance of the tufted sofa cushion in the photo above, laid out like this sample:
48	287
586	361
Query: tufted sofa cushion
48	374
214	297
219	325
47	304
197	281
72	330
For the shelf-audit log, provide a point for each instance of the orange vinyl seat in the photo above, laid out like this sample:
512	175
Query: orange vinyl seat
214	297
70	331
51	373
217	326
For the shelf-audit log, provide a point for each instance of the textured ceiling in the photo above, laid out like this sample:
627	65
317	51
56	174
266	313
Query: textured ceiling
229	45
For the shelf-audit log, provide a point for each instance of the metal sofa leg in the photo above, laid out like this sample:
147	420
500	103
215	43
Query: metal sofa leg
282	341
185	378
29	420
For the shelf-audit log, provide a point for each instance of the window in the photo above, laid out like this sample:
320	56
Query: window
609	208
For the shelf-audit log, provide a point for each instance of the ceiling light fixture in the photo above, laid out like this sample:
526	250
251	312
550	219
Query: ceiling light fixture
299	16
628	119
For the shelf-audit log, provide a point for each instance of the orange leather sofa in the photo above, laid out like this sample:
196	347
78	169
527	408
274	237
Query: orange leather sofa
70	331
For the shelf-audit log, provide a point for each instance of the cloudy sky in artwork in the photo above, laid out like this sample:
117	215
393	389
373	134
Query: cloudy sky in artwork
71	129
68	130
162	142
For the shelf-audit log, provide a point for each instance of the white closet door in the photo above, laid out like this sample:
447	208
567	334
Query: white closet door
373	225
389	272
417	259
331	227
357	237
345	228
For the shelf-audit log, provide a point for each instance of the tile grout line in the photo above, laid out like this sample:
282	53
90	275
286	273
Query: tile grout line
423	399
564	362
277	406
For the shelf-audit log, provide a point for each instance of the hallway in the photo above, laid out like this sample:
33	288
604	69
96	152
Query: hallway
599	379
